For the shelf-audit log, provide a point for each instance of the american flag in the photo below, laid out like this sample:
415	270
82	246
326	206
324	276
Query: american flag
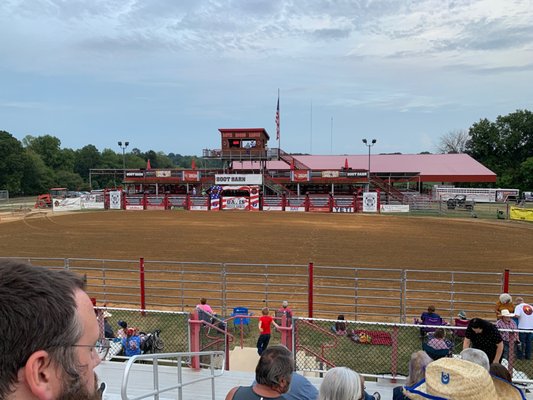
277	120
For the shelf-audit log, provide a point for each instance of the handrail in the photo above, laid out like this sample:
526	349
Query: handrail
180	385
323	346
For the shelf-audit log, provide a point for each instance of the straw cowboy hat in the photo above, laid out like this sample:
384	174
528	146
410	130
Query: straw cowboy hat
506	313
456	379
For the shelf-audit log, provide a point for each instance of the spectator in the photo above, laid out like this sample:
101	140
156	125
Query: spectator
476	356
273	375
340	326
461	321
264	330
504	324
50	335
121	333
500	371
108	330
483	335
301	388
437	340
453	378
285	310
417	370
430	313
205	307
342	383
524	312
437	345
131	343
505	302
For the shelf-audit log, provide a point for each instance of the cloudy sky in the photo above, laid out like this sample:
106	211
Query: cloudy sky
166	74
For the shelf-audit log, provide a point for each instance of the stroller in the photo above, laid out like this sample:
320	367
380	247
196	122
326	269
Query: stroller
151	342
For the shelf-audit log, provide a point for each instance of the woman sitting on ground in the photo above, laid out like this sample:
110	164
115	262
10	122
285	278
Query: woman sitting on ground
340	326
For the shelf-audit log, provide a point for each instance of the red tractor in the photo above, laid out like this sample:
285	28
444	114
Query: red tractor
45	200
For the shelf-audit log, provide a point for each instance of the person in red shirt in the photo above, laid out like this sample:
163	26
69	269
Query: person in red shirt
265	322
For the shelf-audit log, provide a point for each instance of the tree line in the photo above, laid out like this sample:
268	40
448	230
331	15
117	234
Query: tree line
36	164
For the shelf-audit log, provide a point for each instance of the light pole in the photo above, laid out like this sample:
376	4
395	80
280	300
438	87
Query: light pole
369	145
123	146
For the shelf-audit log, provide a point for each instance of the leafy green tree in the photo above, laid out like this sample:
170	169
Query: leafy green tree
48	147
70	180
85	159
110	159
504	145
12	161
38	178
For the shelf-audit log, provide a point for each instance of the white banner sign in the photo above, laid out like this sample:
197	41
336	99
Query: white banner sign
394	208
115	198
70	204
272	208
239	179
295	209
370	202
92	202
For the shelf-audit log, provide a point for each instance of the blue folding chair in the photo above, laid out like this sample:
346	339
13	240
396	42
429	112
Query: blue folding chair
244	320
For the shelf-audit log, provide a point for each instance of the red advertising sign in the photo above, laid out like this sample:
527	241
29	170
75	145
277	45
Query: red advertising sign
300	176
191	176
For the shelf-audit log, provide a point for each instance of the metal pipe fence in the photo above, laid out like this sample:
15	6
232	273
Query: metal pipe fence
371	294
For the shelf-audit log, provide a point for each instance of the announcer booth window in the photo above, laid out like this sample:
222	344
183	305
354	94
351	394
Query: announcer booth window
235	143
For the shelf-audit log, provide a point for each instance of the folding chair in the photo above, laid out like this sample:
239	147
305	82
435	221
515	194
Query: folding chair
241	321
433	321
434	353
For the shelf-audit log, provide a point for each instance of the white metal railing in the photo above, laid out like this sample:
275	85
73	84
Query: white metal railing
179	359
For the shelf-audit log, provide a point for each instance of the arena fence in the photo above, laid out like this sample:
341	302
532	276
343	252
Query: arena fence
370	294
380	350
374	349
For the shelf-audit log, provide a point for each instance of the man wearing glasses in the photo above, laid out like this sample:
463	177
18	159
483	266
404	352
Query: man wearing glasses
50	343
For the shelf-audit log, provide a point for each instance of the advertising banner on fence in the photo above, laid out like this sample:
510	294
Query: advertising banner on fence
92	201
191	176
301	176
272	208
295	209
370	202
522	214
394	208
115	200
70	204
342	209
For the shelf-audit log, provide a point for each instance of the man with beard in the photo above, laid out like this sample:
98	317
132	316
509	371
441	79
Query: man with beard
50	341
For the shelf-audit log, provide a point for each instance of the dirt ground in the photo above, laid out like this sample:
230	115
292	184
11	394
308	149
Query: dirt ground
272	237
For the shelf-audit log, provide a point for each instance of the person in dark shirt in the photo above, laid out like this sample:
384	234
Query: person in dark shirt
483	335
108	330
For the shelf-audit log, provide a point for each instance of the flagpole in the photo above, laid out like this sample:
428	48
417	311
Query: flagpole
278	135
279	126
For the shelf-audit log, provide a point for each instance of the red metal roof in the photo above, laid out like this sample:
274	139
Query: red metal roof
431	167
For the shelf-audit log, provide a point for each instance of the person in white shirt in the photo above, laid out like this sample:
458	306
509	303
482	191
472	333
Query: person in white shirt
524	313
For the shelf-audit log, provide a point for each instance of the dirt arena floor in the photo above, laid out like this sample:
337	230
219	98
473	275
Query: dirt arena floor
273	237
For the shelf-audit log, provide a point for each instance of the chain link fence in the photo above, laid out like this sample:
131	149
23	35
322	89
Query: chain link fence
172	329
380	350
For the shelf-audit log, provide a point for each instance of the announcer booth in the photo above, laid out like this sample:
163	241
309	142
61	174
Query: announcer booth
235	192
244	143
